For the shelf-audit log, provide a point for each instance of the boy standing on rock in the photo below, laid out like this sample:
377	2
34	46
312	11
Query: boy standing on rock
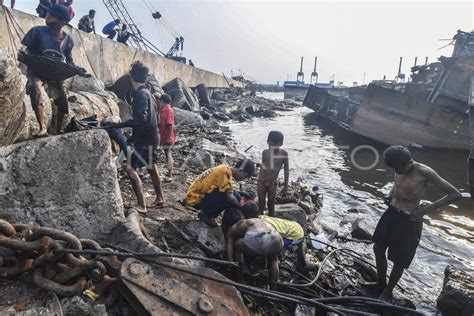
273	159
167	131
53	42
399	228
144	137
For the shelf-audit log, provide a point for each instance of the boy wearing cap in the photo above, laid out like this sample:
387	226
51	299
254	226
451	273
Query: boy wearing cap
53	42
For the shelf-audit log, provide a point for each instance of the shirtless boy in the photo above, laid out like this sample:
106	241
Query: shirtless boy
399	228
255	237
273	159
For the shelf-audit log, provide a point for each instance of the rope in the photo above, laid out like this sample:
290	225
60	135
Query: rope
10	37
139	255
85	52
318	274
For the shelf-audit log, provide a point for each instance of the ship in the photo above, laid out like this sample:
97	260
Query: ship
430	111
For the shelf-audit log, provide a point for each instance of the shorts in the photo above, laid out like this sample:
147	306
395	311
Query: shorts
399	234
146	155
212	205
289	242
263	241
56	90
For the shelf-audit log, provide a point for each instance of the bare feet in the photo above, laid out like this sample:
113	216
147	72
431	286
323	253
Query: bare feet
42	133
139	209
159	203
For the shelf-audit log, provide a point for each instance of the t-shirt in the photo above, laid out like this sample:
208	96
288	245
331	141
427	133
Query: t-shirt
166	118
87	23
145	125
109	27
41	42
287	229
217	178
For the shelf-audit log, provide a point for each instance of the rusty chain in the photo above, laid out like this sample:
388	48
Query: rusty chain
39	253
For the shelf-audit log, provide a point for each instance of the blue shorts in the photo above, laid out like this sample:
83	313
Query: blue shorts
289	242
212	205
144	156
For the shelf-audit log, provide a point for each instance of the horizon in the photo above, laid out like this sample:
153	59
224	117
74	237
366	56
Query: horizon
265	40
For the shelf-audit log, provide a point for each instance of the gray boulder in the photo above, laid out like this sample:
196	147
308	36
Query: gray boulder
67	182
292	212
457	295
363	228
203	159
86	104
17	120
188	118
90	84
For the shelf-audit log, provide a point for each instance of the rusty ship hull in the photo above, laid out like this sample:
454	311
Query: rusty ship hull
431	111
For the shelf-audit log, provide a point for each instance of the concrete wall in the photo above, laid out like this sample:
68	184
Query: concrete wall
104	58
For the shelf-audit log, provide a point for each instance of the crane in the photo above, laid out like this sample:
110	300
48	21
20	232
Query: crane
118	10
300	74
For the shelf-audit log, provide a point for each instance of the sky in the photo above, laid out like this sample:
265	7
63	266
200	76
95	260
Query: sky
265	40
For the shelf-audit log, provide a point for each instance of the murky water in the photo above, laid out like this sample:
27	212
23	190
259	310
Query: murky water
326	156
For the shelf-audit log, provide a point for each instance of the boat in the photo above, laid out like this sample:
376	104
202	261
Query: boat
430	111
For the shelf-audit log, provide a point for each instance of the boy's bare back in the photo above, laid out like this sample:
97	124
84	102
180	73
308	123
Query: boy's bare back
272	163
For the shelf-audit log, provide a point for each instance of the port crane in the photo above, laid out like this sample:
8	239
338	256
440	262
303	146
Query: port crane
118	10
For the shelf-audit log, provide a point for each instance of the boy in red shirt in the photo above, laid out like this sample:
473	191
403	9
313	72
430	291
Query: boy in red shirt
167	131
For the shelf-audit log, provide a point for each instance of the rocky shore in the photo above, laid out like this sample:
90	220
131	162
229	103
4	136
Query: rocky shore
75	182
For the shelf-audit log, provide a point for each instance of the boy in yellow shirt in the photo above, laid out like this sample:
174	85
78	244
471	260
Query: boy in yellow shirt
212	191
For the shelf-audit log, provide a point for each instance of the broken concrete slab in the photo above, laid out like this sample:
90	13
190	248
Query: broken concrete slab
218	149
67	182
457	295
363	228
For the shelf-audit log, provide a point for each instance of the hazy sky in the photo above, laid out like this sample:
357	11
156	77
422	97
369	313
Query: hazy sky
265	39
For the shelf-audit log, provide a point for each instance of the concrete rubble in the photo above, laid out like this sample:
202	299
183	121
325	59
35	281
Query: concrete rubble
457	295
68	182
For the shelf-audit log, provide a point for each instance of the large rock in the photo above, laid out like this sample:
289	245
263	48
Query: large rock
84	104
363	228
188	118
90	84
457	295
292	212
17	118
67	182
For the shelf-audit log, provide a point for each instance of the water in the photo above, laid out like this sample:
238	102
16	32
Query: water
320	154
